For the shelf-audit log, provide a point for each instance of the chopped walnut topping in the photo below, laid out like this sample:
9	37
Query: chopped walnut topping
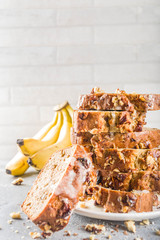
15	215
142	98
47	227
114	99
149	160
130	225
116	170
125	209
141	145
81	198
35	235
118	91
97	90
17	181
94	228
121	103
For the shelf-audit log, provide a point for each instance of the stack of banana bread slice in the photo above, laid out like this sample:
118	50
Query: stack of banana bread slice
126	156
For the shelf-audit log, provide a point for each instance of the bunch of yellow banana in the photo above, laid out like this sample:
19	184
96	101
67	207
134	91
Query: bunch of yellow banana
37	150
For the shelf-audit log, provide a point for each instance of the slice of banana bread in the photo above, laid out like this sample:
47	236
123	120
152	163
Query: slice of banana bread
122	202
57	188
124	160
136	180
108	121
99	100
149	138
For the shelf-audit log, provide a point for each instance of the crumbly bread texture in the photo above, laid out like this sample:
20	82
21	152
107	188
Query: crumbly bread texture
149	138
99	100
57	188
126	159
122	201
108	121
136	180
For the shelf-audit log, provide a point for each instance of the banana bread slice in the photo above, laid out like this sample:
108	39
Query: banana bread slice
108	121
57	188
99	100
122	202
136	180
149	138
124	160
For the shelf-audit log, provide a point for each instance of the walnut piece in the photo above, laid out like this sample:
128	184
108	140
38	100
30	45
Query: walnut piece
83	205
158	232
125	209
15	215
35	235
109	237
91	237
97	90
75	234
47	227
10	221
146	222
17	181
94	228
130	225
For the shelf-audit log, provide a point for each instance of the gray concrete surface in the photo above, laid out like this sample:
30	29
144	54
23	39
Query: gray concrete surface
11	197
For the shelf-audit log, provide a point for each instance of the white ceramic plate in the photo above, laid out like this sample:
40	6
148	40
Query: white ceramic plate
99	213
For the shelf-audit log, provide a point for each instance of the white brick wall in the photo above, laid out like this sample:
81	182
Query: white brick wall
53	50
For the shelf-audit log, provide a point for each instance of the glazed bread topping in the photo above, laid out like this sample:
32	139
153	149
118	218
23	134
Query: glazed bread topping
57	188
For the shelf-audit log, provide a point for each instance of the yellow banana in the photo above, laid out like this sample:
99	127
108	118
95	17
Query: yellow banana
39	159
18	165
30	146
44	130
70	110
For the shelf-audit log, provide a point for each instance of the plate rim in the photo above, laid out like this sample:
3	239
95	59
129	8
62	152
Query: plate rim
94	213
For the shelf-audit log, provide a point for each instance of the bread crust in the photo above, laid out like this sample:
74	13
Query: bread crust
56	213
122	201
108	121
135	180
119	101
125	160
149	138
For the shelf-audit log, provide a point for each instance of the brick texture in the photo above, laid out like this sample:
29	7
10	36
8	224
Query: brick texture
54	50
